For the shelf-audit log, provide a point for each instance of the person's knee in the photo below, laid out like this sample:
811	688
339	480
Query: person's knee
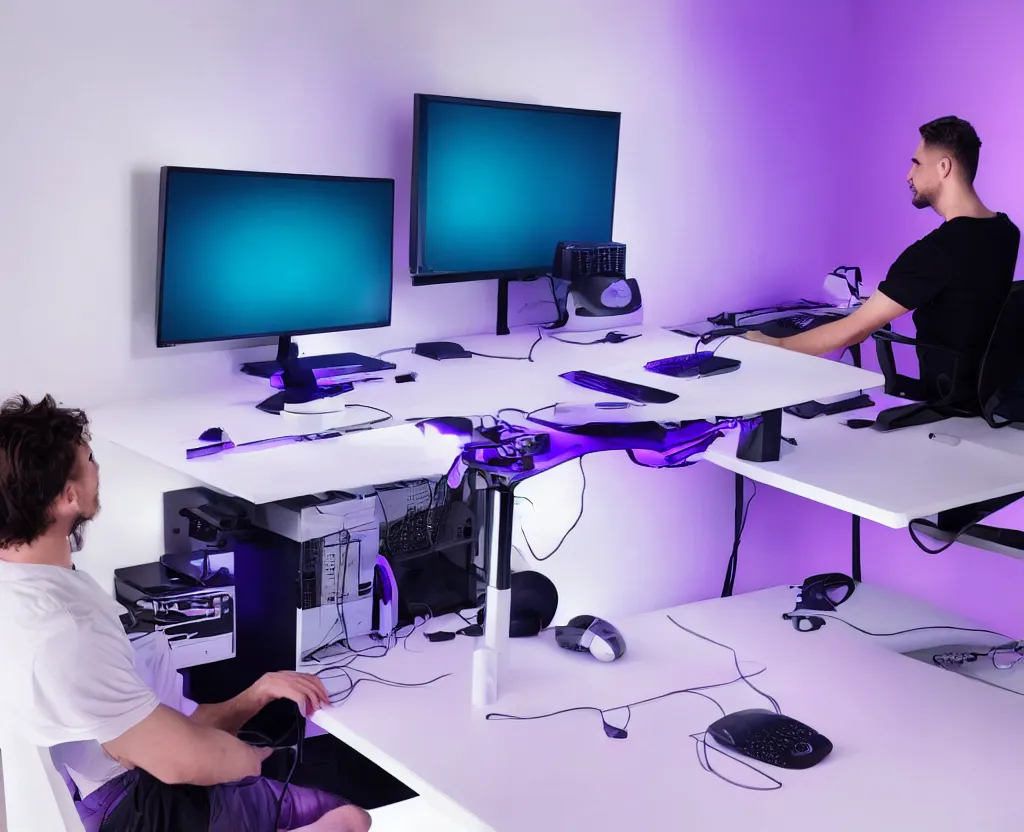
354	818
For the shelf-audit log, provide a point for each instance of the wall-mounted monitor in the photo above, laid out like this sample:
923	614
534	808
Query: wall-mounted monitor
496	185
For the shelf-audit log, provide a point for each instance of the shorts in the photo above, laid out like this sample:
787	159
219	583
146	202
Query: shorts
249	805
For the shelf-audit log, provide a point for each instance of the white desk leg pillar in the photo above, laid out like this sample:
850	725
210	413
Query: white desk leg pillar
491	657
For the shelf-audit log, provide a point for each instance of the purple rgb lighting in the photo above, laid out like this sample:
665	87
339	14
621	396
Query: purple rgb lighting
513	453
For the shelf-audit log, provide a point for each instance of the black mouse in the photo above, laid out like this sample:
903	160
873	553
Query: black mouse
771	738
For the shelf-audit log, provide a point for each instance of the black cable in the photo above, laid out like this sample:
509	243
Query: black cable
527	357
954	538
610	338
736	661
300	728
809	613
701	739
416	624
396	349
699	344
575	523
733	564
696	691
342	696
386	417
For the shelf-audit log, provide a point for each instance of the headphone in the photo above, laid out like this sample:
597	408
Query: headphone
532	606
533	603
824	593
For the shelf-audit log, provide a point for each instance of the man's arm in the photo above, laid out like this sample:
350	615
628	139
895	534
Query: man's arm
877	311
176	750
305	690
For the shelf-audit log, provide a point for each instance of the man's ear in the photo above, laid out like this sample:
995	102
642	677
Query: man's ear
945	166
68	498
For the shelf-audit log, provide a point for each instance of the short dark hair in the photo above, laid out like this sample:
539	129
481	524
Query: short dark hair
959	138
38	453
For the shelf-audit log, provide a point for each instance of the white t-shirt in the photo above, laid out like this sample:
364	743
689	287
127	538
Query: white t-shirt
72	680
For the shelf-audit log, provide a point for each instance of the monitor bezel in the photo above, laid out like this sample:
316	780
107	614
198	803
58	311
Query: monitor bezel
422	278
166	173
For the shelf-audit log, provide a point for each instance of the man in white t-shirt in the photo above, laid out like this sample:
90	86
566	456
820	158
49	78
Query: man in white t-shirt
138	754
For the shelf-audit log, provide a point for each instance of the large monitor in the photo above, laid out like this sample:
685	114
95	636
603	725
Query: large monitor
246	255
495	186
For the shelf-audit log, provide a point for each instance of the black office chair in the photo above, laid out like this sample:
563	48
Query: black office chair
997	394
1001	374
1000	401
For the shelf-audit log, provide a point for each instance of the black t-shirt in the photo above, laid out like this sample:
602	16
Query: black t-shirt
956	280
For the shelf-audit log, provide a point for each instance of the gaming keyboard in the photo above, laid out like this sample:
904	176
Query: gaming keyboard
679	366
776	328
616	387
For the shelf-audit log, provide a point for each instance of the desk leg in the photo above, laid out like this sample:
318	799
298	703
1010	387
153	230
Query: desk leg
855	548
490	658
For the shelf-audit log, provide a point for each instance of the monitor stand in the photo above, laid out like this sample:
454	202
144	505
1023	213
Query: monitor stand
342	363
302	393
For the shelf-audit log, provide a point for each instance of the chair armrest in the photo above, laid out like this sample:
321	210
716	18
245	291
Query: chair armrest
896	384
888	335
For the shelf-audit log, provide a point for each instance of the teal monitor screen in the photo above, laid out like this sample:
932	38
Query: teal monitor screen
245	255
496	186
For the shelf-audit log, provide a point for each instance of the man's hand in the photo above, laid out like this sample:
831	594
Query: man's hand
304	689
761	338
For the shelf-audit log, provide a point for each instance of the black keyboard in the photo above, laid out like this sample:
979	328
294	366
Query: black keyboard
616	387
776	328
792	324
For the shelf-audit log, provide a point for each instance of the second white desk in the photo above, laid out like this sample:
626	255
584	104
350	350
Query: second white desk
916	747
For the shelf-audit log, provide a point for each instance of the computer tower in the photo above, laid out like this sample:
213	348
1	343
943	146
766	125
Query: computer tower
301	566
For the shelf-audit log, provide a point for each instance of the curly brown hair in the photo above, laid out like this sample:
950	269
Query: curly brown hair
38	453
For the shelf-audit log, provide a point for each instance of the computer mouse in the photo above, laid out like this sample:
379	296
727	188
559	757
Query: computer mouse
772	738
589	634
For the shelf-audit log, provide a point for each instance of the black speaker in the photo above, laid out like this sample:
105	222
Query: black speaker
763	442
533	604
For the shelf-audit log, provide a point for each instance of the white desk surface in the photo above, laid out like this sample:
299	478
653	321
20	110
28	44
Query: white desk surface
889	478
916	747
163	429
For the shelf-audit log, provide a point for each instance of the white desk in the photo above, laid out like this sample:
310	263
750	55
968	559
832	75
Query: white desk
889	478
916	747
163	429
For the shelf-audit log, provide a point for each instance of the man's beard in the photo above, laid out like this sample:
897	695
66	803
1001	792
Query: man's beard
920	200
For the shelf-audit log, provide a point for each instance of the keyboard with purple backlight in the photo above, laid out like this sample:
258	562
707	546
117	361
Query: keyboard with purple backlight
616	387
692	365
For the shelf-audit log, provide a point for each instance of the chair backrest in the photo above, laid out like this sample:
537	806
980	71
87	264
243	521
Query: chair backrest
1001	375
36	798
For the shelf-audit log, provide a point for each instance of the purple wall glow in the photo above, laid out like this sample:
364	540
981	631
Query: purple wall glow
750	219
916	62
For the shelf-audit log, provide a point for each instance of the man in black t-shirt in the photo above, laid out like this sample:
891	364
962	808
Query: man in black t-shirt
956	279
